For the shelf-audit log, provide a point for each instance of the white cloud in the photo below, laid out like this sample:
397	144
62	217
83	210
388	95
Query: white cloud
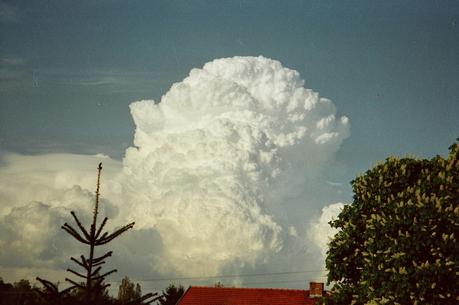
31	237
37	194
320	232
224	151
49	179
225	174
318	235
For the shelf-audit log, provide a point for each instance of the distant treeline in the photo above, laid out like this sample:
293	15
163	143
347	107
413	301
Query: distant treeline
23	293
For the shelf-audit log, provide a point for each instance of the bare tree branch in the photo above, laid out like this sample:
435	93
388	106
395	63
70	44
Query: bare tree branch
75	283
100	258
74	233
142	299
95	272
80	225
101	227
76	273
48	285
98	263
115	234
105	274
79	263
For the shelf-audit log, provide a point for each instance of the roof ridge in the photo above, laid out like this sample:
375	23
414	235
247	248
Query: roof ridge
209	295
251	288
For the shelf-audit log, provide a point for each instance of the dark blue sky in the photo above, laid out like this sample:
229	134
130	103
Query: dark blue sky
69	69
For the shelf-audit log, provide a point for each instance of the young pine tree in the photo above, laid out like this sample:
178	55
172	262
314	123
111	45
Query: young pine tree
91	279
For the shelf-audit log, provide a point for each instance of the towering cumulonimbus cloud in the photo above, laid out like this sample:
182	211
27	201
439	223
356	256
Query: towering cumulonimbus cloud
223	157
226	175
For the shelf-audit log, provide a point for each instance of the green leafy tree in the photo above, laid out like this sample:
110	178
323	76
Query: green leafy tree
397	241
128	291
171	295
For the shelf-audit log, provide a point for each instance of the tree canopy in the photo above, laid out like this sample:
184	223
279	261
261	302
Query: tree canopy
20	292
171	295
397	240
128	291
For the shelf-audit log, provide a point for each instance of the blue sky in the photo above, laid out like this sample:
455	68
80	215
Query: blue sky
70	69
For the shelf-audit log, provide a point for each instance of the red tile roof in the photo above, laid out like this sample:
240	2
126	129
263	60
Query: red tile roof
245	296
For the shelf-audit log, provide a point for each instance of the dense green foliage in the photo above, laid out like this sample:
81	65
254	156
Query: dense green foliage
397	241
171	295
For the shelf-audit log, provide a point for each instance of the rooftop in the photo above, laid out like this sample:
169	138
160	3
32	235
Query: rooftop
196	295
